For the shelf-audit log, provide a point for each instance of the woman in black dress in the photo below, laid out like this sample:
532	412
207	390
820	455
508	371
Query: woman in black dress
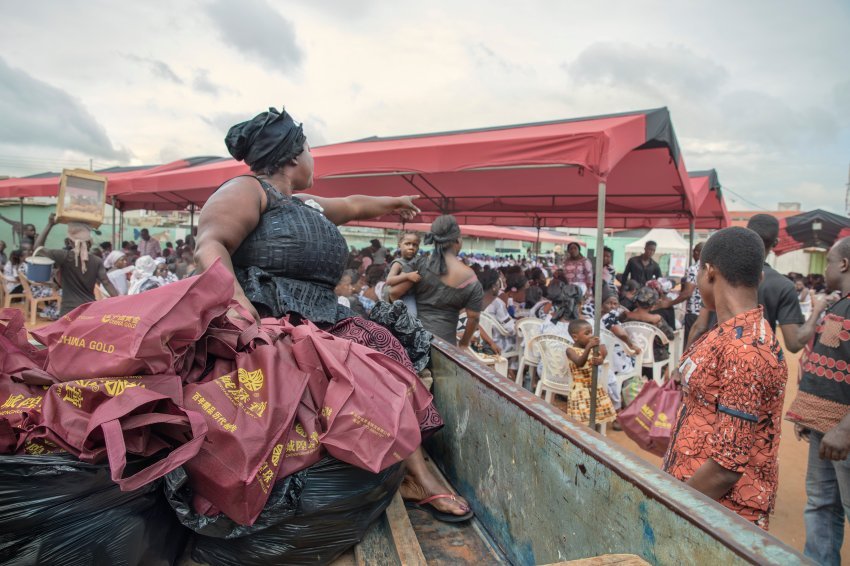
287	255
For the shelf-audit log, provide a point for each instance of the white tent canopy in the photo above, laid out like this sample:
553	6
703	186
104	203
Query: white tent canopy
669	242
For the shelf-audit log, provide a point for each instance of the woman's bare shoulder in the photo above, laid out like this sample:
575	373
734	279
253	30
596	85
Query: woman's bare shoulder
239	188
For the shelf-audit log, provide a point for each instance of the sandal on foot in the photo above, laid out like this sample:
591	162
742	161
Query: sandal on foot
425	505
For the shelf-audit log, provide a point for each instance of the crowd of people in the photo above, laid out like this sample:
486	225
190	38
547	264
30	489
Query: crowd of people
733	363
83	270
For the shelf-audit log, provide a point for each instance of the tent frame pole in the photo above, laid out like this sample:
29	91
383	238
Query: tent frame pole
691	242
114	241
597	293
537	244
120	227
21	233
192	221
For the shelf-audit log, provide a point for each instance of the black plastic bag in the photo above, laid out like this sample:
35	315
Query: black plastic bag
311	517
55	509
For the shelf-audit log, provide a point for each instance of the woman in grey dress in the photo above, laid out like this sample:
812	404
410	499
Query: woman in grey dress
448	286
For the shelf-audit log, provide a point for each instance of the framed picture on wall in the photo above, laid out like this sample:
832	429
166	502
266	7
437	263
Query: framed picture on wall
82	195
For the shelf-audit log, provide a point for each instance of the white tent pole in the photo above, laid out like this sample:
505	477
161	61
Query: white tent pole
120	228
114	227
691	243
597	292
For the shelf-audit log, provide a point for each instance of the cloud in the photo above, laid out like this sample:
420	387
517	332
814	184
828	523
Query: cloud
648	70
202	83
841	94
484	57
314	129
256	29
34	113
699	93
222	121
158	68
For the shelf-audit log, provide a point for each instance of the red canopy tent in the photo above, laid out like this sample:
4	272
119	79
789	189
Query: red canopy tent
711	213
815	229
47	184
543	174
494	232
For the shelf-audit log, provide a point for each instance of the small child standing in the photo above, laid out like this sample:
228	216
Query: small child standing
582	358
403	271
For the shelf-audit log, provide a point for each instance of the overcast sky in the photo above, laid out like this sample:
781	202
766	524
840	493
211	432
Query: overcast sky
758	90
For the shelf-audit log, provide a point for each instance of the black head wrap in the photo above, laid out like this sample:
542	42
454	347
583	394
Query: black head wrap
444	231
266	140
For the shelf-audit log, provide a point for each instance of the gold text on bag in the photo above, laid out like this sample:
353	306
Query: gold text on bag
251	380
95	345
17	402
662	422
125	321
210	409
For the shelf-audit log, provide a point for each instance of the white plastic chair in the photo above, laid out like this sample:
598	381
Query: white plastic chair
537	310
644	334
526	329
609	339
677	346
555	376
498	363
492	327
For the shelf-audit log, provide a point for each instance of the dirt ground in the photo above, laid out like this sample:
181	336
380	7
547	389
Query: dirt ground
786	523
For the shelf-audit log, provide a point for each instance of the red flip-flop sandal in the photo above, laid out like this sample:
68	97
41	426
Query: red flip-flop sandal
425	505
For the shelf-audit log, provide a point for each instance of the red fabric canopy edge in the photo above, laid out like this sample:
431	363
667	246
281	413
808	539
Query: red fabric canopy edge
497	233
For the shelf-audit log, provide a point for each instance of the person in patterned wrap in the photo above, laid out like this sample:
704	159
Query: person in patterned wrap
726	436
821	416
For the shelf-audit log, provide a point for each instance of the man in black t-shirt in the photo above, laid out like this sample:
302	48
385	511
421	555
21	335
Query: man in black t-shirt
643	268
779	296
776	294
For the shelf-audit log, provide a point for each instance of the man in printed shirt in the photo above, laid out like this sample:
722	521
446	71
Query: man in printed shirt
726	438
694	304
821	413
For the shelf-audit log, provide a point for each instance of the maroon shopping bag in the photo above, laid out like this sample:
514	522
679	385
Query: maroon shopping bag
20	406
109	418
147	334
668	401
303	446
22	388
250	412
638	417
369	409
16	353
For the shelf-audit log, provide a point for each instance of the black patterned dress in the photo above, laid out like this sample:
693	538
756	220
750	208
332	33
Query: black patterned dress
291	263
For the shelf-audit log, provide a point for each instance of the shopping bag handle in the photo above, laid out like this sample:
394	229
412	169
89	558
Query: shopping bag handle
113	429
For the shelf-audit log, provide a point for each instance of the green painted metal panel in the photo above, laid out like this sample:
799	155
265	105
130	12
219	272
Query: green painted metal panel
817	263
548	489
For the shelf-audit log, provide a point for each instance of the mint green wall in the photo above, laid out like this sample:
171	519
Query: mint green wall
358	237
38	214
